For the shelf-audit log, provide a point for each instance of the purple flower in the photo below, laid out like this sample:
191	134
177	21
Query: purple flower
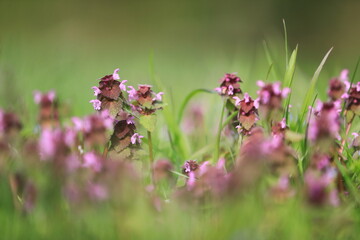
115	75
136	138
130	119
96	104
122	85
339	86
158	97
97	91
271	95
91	160
325	122
190	166
229	85
190	184
132	93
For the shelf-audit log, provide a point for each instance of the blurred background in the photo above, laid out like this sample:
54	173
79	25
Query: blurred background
67	45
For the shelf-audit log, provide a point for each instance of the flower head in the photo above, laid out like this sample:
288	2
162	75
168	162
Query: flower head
136	138
229	85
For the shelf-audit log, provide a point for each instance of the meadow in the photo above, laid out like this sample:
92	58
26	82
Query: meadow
123	140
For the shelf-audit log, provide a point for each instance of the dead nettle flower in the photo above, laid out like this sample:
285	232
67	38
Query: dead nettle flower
271	96
339	86
162	170
209	179
355	143
190	166
325	122
229	85
144	100
124	140
279	156
320	161
352	100
93	161
10	125
279	128
282	189
109	93
247	115
94	128
320	187
48	114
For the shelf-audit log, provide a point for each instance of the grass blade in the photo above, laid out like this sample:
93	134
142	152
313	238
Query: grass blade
286	45
311	89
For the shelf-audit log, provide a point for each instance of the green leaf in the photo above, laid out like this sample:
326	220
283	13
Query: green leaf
290	70
311	89
148	122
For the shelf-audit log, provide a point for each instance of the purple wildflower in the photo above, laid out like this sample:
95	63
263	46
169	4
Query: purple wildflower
96	104
136	138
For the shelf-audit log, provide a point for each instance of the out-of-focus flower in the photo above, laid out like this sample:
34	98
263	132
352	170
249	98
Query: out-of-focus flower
325	124
271	95
229	85
339	86
161	169
136	138
279	128
193	119
353	99
97	191
9	124
190	166
320	187
48	113
93	161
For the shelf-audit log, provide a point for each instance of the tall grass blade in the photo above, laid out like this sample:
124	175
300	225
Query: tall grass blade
311	89
286	45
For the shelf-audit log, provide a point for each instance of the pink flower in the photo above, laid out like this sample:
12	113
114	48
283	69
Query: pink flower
130	119
132	93
122	85
91	160
158	97
96	104
97	91
136	138
190	184
237	101
115	74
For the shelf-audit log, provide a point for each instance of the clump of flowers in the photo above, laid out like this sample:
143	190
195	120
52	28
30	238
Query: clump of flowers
324	125
144	100
247	115
339	86
353	100
48	109
229	85
270	99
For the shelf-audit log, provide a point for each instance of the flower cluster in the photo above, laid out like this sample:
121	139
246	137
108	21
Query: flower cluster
247	115
144	100
48	109
271	95
229	85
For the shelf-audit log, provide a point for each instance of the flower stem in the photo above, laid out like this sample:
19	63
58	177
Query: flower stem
218	136
151	157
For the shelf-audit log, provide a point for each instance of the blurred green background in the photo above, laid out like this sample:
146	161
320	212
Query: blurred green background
67	45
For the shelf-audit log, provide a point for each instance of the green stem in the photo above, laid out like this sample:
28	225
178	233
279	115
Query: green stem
151	156
218	136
